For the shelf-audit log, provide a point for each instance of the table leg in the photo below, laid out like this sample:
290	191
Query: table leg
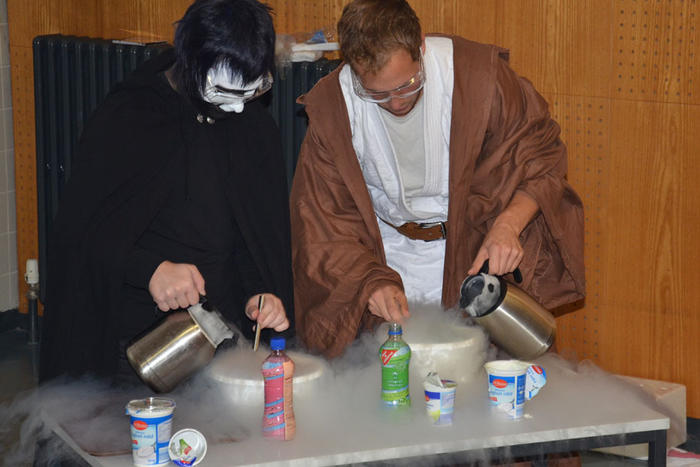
657	449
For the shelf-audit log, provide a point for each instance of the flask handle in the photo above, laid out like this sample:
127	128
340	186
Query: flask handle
517	275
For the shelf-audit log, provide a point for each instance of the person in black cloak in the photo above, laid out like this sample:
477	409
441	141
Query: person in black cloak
178	191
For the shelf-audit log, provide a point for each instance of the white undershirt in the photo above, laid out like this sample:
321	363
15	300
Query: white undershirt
384	161
406	133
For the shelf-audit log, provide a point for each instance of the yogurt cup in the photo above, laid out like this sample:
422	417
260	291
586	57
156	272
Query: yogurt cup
151	422
511	383
440	400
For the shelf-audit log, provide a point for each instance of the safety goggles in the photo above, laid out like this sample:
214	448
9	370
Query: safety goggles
243	94
409	88
232	95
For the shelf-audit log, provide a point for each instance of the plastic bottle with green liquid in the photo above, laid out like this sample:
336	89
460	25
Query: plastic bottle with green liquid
395	357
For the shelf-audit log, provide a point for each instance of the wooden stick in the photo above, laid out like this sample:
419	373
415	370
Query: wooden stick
261	302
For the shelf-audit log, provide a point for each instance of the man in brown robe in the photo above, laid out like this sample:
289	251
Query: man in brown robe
494	187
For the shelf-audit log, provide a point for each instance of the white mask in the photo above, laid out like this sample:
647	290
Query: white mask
229	92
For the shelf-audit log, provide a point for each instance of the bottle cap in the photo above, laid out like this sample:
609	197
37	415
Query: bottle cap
395	329
277	343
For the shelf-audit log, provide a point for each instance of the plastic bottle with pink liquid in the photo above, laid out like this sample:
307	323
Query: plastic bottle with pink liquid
278	371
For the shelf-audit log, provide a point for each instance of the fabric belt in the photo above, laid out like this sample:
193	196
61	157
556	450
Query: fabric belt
426	231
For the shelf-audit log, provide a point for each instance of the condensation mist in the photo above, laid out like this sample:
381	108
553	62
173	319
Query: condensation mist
331	398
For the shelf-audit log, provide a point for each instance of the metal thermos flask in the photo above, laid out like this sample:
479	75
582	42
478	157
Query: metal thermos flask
179	346
514	321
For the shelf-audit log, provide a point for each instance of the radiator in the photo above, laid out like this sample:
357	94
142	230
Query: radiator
290	83
72	75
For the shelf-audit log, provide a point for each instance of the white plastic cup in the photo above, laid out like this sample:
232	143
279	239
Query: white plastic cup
151	422
511	383
440	401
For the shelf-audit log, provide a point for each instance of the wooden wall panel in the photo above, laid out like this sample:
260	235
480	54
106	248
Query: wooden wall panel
25	163
152	20
561	46
476	23
655	51
95	18
622	79
307	16
437	16
585	123
653	199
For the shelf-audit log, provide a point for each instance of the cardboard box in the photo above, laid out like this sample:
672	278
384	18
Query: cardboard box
670	398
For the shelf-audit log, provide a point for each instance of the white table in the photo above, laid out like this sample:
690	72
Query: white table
574	411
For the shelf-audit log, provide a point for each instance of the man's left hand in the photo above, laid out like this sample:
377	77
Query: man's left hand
502	248
502	244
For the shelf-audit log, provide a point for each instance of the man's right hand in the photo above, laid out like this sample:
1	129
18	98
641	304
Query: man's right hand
389	302
176	285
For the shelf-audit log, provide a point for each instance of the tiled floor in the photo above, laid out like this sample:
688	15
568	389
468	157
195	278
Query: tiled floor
19	364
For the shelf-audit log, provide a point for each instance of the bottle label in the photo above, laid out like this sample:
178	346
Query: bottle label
278	416
395	360
149	439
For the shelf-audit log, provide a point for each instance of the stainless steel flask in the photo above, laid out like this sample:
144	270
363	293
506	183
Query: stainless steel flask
514	321
183	343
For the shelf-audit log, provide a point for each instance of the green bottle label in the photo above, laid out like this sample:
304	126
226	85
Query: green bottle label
395	356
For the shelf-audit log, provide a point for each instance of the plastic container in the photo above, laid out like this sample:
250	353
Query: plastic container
395	355
151	424
511	383
440	399
278	374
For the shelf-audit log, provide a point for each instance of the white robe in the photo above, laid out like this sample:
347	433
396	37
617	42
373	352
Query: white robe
419	263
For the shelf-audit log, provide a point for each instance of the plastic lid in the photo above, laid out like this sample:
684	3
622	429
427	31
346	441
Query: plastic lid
277	343
187	447
395	329
150	407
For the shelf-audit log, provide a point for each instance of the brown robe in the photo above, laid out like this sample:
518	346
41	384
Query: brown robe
502	139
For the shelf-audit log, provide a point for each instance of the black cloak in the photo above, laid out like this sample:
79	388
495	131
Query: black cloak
136	149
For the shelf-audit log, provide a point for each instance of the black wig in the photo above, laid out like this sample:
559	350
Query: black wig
236	34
